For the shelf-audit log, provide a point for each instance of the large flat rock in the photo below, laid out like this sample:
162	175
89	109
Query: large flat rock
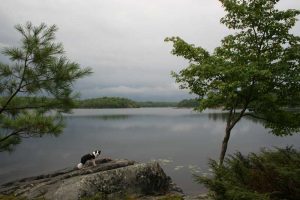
112	179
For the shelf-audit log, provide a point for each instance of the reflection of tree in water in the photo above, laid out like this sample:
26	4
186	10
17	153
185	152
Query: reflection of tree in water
102	117
218	116
113	117
223	117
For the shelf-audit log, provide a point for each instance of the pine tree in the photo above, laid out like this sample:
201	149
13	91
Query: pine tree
35	86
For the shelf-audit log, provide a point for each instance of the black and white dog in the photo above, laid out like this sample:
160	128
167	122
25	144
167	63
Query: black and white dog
88	157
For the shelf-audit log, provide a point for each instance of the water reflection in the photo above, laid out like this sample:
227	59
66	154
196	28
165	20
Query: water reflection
218	116
113	117
222	116
100	117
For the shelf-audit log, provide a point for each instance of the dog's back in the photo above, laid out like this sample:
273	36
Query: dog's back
88	157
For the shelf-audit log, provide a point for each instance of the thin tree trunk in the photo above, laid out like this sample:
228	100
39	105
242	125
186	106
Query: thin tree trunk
231	122
227	135
224	144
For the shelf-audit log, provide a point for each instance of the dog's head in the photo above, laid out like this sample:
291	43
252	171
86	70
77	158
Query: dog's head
96	153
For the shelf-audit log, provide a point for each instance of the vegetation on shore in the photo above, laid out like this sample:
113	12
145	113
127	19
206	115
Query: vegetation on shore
188	103
106	102
118	102
267	175
101	102
152	104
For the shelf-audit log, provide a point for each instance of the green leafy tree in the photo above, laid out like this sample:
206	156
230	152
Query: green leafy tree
35	86
257	67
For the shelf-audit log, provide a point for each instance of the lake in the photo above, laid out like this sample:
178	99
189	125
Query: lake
182	140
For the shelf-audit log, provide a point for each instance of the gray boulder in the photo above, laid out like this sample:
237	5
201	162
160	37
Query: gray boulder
110	179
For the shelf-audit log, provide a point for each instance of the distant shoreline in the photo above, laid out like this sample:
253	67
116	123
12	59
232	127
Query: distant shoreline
118	102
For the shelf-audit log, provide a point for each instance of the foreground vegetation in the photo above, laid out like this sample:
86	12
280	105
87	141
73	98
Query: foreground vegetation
268	175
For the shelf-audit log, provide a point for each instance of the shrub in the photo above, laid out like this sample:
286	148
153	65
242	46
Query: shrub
268	175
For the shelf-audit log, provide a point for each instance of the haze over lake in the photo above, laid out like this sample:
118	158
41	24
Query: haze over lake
182	140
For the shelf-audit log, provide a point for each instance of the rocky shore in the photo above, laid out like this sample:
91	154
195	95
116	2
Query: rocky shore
110	179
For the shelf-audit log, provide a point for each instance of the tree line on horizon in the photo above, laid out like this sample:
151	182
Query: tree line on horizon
119	102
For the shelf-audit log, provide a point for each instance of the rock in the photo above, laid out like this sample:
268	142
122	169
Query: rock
113	179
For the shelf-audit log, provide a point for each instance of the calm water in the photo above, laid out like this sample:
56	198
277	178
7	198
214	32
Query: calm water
180	139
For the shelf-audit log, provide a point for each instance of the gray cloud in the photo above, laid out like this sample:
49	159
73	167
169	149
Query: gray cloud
123	41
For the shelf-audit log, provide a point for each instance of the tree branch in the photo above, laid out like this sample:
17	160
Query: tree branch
19	86
10	135
241	114
279	122
262	118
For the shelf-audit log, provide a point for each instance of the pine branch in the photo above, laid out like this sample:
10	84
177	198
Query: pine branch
10	135
19	86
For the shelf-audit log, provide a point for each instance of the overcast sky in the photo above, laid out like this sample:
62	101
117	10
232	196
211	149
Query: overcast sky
123	40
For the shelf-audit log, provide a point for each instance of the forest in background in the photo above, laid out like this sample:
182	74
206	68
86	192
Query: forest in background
118	102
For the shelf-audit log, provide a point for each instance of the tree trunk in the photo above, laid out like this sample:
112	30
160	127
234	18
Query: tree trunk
231	122
224	144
